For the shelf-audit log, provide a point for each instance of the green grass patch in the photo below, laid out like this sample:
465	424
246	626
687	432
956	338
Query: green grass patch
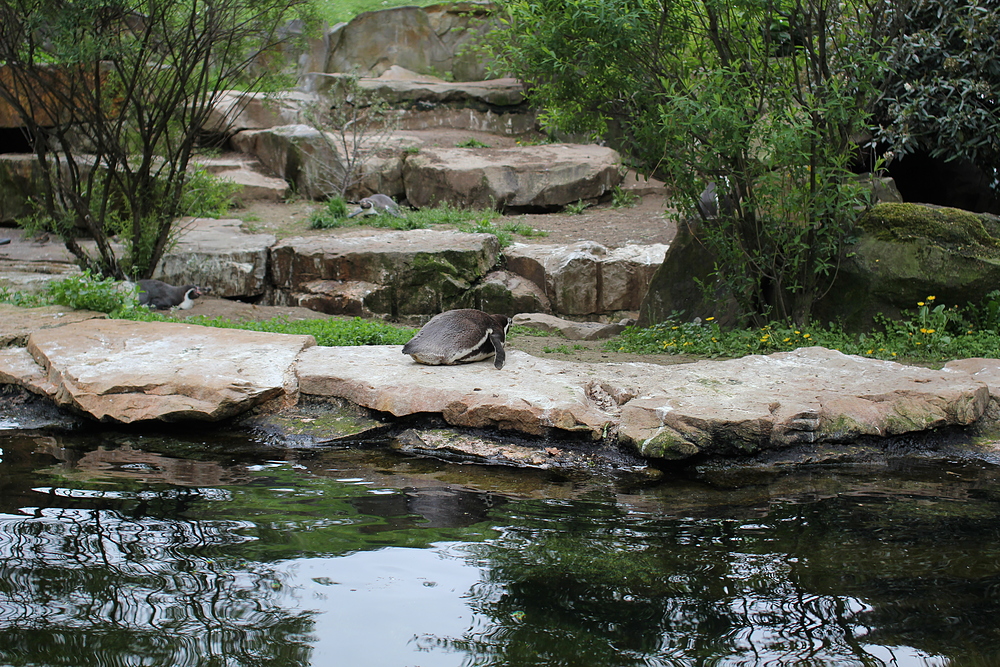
335	11
929	334
327	332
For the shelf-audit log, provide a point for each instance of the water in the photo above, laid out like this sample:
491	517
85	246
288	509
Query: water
123	549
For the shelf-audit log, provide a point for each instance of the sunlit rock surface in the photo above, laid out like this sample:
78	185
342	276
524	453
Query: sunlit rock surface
123	371
126	371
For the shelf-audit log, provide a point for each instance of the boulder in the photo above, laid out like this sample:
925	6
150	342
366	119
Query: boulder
237	110
124	371
19	323
313	161
543	177
427	40
426	102
218	254
506	293
586	278
907	252
20	182
29	264
529	396
569	329
811	395
418	272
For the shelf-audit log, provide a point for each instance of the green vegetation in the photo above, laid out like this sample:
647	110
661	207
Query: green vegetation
761	98
335	11
334	215
88	291
120	94
472	143
931	333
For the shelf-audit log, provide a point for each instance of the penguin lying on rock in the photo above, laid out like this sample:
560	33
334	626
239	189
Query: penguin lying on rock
460	336
160	295
377	204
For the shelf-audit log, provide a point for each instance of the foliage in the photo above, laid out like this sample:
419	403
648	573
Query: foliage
472	143
332	215
205	195
943	84
326	331
89	291
931	332
113	96
623	198
354	124
759	96
335	11
576	208
464	220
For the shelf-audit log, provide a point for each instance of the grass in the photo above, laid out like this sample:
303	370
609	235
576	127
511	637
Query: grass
929	334
334	215
335	11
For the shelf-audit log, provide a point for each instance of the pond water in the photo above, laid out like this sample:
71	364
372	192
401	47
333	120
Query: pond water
126	549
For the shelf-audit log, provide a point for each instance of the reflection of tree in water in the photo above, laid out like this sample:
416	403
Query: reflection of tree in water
589	584
84	585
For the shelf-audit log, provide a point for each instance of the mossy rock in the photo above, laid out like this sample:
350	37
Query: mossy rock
952	227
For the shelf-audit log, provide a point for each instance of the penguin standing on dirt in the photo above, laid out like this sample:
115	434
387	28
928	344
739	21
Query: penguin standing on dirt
459	337
377	204
158	294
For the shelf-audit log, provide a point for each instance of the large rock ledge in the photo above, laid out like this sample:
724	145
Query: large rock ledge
122	371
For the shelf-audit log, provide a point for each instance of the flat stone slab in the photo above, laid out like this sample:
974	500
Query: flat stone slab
739	406
220	255
811	395
529	395
124	371
19	323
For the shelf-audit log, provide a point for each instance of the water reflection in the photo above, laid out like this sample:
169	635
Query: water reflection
130	550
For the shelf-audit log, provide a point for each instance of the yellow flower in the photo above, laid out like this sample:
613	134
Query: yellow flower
798	332
709	319
806	336
930	331
918	343
922	330
931	298
894	354
920	303
786	340
766	336
870	351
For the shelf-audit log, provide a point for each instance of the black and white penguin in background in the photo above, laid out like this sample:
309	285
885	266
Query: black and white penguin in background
459	337
376	204
158	294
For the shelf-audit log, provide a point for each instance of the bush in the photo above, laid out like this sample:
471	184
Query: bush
91	292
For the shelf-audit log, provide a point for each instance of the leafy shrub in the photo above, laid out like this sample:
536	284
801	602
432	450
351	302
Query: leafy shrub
207	196
331	216
89	291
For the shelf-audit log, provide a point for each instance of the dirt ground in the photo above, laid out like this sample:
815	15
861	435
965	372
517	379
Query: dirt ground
643	223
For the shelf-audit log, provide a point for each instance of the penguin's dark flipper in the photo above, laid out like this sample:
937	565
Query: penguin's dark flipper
497	338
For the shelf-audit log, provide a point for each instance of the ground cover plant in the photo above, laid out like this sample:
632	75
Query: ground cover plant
335	214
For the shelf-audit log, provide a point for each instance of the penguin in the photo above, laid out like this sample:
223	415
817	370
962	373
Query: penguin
377	204
160	295
459	337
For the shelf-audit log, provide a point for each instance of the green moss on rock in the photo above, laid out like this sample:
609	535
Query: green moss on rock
949	226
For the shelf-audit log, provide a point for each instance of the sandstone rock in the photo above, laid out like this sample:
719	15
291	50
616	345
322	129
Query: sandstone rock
425	102
586	278
529	395
424	40
530	177
16	324
218	254
124	371
421	271
811	395
505	293
237	110
569	329
19	183
311	161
